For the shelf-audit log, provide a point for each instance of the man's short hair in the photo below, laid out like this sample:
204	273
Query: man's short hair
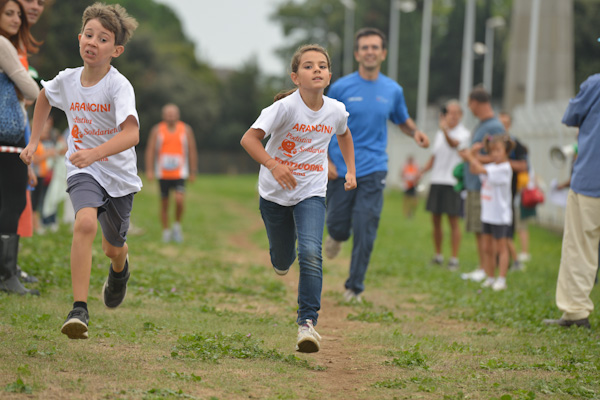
370	32
480	95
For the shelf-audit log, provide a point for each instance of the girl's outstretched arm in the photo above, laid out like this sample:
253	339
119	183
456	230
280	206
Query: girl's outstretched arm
282	173
347	148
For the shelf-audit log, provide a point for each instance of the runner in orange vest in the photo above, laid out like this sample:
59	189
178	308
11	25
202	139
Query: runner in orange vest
410	178
171	157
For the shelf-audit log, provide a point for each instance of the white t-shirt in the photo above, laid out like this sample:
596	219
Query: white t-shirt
95	114
446	157
496	205
299	138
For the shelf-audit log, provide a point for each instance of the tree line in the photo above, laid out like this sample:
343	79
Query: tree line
161	63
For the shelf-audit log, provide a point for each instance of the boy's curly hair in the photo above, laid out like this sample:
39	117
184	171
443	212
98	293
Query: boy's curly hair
112	17
504	138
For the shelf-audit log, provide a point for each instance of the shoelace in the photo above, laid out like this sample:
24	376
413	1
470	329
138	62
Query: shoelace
79	314
308	326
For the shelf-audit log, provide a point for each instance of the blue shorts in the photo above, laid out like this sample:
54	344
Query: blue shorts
113	212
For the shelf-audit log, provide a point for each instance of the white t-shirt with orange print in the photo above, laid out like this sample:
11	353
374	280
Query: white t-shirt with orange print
299	138
95	114
496	195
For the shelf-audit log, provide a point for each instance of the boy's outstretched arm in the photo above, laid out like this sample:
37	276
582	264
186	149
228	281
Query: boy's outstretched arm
127	138
40	115
347	148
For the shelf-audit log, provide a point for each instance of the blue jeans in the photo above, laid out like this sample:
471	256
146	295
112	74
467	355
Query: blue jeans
304	221
356	212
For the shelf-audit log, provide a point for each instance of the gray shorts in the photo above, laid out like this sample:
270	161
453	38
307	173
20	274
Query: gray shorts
113	212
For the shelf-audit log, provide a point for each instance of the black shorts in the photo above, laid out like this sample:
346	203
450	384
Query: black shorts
166	185
497	231
443	199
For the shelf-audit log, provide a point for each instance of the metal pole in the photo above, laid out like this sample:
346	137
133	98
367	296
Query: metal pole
392	58
532	56
466	70
348	36
488	60
424	65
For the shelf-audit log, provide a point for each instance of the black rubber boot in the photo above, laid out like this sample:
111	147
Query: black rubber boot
9	279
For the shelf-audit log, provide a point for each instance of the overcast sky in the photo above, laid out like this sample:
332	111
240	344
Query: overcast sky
229	32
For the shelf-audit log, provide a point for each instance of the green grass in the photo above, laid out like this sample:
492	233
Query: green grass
208	319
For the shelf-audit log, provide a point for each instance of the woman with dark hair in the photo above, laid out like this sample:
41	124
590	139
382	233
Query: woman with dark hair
14	35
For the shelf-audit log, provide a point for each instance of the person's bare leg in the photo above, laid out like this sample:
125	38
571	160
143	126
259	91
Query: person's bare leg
437	233
117	255
84	232
455	235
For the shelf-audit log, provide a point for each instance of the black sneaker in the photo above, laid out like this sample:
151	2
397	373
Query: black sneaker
25	277
567	323
115	289
76	325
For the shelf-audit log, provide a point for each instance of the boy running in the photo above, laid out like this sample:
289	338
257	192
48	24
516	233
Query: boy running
102	177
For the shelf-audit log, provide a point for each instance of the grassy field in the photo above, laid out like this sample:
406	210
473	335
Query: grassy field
209	319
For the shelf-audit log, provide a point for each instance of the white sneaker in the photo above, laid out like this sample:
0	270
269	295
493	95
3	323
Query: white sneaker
166	236
524	257
177	233
476	276
489	282
332	247
350	296
308	338
499	284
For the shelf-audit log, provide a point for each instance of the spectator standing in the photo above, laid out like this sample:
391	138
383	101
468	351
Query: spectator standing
581	237
442	198
481	107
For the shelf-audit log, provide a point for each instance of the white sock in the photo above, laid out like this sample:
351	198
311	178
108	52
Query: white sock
501	279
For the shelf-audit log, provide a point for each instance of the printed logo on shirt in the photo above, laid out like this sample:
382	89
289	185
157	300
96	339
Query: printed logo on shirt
91	107
76	133
288	148
313	128
355	98
79	120
300	166
381	99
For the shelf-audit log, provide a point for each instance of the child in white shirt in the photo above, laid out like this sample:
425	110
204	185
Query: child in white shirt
293	177
102	177
496	207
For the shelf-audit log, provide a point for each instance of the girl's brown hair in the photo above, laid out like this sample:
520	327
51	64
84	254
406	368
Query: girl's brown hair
295	64
23	39
504	138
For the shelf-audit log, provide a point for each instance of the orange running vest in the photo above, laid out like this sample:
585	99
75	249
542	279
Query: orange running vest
172	152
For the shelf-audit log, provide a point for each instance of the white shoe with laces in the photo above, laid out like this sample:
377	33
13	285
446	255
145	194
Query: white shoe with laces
308	338
489	282
332	247
350	296
499	284
476	276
